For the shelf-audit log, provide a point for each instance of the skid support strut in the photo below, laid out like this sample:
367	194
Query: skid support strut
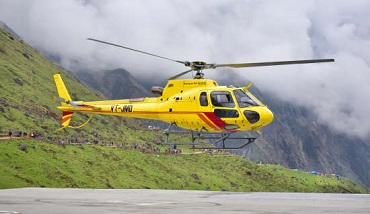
196	136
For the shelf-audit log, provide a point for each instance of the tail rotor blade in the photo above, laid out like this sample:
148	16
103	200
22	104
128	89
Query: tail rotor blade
62	100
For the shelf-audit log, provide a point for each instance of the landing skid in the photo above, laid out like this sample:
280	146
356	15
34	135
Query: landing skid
196	136
226	136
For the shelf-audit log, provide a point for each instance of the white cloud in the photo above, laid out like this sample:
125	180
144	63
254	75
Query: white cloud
218	31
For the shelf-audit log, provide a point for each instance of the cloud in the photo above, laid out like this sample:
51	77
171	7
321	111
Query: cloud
218	31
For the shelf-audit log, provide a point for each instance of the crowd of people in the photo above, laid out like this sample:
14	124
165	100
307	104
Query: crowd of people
146	147
12	134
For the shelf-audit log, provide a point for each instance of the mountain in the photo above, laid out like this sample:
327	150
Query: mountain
9	30
113	84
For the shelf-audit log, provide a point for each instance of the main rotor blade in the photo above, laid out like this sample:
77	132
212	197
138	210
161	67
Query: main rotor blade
180	74
259	64
131	49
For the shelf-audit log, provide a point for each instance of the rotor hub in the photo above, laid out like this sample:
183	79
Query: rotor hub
196	65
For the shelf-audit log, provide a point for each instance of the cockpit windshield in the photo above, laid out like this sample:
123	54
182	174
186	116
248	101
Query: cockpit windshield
244	100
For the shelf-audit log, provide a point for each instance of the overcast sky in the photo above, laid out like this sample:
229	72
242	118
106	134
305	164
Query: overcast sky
218	31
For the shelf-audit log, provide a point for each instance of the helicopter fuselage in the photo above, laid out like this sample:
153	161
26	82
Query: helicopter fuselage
195	104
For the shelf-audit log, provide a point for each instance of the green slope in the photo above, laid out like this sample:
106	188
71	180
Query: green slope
27	93
90	166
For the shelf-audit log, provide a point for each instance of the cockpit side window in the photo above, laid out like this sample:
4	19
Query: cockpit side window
203	99
222	99
244	100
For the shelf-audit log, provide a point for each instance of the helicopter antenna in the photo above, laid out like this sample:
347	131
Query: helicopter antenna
199	66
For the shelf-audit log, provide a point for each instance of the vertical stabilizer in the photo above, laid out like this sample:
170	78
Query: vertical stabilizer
62	90
64	98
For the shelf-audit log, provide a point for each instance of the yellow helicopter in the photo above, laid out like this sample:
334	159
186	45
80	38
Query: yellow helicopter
198	105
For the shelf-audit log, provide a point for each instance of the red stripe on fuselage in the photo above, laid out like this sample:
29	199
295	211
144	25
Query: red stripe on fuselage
217	121
207	121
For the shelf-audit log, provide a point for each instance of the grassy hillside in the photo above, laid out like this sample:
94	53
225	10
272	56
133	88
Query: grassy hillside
90	166
27	93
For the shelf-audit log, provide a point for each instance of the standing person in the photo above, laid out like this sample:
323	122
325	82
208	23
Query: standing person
10	133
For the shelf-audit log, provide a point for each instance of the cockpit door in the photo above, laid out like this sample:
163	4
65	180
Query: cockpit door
223	105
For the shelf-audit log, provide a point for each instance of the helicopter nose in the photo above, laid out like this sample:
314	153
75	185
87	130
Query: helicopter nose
259	117
266	117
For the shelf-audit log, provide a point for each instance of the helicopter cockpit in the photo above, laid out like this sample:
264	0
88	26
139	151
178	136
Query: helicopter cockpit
245	100
226	103
225	99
